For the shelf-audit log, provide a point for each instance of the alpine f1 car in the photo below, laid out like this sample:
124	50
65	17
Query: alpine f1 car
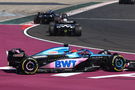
64	59
65	27
126	1
44	17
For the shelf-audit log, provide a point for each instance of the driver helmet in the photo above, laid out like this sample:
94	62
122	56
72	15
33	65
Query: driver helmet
64	15
74	50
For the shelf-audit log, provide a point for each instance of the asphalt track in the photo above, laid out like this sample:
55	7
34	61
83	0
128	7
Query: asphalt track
109	27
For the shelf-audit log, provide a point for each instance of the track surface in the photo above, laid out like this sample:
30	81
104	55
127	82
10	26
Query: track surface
10	79
109	27
46	81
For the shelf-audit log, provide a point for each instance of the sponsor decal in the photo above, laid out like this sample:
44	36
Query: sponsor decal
65	64
18	55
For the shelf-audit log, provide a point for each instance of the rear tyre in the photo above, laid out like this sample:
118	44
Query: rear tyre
78	30
37	19
28	66
132	1
52	29
121	2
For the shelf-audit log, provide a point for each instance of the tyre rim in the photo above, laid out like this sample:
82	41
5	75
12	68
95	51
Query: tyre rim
119	63
30	66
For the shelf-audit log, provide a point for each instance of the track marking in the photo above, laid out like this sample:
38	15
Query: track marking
80	10
66	74
7	68
111	76
104	19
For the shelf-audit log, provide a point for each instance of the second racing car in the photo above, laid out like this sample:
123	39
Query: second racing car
65	27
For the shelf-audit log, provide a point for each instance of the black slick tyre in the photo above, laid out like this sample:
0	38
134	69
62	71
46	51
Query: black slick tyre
28	66
52	29
37	19
117	63
78	30
132	1
121	2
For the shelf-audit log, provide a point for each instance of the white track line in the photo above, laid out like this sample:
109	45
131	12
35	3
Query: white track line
111	76
80	10
7	68
66	74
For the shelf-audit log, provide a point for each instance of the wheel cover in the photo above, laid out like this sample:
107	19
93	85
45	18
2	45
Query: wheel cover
29	66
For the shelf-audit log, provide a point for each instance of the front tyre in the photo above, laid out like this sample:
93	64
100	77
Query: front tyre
117	63
28	66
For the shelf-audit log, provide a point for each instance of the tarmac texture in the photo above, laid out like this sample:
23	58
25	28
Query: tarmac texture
109	27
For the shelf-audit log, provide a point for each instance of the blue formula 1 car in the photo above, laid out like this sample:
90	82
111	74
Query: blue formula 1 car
63	59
